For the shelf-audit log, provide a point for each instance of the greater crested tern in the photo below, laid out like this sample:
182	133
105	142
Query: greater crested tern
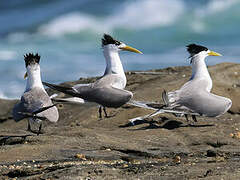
195	95
35	104
109	90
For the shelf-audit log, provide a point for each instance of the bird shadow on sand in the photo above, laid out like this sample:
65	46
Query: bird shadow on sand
13	139
163	124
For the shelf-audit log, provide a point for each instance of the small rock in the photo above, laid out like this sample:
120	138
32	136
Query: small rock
237	135
11	167
220	158
177	159
80	156
211	153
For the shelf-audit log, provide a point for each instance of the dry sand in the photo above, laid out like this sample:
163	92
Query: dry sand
80	146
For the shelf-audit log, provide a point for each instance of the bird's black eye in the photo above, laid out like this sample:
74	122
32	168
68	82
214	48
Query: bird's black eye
117	43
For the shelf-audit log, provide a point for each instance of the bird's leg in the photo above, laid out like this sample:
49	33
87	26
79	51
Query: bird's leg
105	112
194	118
29	126
40	128
186	116
100	112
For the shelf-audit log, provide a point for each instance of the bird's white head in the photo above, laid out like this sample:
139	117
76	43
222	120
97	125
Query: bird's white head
33	71
198	52
114	45
32	64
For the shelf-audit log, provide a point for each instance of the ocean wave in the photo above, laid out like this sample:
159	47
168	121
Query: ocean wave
217	6
139	15
3	96
134	15
206	17
147	14
71	23
6	55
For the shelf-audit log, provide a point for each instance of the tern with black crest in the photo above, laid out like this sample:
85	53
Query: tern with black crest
108	91
194	97
35	104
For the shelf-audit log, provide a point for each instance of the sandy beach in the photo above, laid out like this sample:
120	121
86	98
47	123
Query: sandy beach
80	146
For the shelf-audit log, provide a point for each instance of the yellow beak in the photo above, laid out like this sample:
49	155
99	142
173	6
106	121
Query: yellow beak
129	48
212	53
25	75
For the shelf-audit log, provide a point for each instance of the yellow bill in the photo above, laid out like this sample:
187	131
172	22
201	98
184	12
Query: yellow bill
129	48
212	53
25	75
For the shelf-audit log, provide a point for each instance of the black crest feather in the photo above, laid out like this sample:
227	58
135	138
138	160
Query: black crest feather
195	49
31	58
107	39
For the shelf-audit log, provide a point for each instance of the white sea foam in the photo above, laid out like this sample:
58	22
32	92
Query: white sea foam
140	14
215	6
70	23
7	55
199	25
147	14
2	96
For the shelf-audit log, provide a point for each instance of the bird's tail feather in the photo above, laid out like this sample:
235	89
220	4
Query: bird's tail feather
66	90
141	104
160	110
72	100
165	98
34	114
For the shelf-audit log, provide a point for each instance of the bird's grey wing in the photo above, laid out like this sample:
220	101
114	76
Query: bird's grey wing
25	105
102	94
109	96
50	114
206	103
33	101
188	89
73	91
113	80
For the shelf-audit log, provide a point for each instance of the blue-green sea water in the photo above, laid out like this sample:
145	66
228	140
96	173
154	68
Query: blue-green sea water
67	34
